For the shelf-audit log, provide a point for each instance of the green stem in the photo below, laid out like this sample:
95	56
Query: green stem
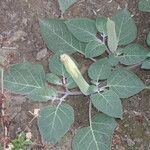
147	87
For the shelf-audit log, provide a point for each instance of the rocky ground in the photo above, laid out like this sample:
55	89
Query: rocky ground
19	33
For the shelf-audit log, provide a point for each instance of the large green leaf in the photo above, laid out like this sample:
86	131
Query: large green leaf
101	24
132	54
108	102
148	39
144	5
125	27
100	70
28	79
125	83
65	4
25	77
54	122
82	28
112	37
146	64
94	49
58	38
98	136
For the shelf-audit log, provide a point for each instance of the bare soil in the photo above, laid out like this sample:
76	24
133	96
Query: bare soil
19	32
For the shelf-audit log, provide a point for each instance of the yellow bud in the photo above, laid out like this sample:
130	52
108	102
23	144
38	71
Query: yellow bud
70	65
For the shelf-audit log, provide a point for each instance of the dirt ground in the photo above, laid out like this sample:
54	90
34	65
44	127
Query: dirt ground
19	32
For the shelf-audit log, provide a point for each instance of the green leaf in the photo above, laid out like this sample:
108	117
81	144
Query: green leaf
100	70
148	39
70	83
58	38
113	59
97	136
56	66
125	83
54	79
24	78
146	64
108	102
28	79
83	29
112	37
144	5
54	122
43	94
94	49
101	25
65	4
132	54
125	27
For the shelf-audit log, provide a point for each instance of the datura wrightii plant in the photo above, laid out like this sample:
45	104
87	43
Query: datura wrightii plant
108	44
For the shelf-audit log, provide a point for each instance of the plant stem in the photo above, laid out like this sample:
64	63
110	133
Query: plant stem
147	87
90	110
134	66
70	93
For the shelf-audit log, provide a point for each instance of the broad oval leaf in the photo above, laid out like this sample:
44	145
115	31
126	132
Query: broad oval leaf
148	39
112	37
28	79
54	122
144	5
125	83
58	38
100	70
82	28
125	27
24	77
94	49
146	64
108	102
132	54
98	136
65	4
101	25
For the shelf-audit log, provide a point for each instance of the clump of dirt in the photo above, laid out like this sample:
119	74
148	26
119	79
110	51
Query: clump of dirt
19	32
